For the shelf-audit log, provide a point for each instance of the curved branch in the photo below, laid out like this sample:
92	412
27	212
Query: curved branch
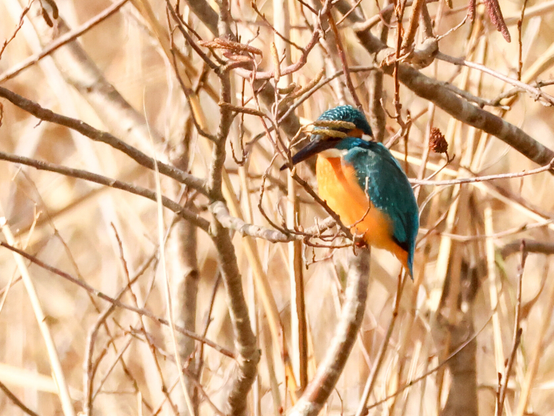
329	371
100	136
472	115
531	246
117	302
433	90
245	341
221	213
534	92
112	183
302	60
204	12
485	178
61	41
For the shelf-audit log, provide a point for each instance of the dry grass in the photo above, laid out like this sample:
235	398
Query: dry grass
464	290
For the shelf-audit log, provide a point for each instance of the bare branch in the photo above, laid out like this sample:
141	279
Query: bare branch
318	390
245	340
104	137
545	168
16	30
205	12
248	353
116	302
540	247
220	211
62	40
432	90
112	183
16	401
536	93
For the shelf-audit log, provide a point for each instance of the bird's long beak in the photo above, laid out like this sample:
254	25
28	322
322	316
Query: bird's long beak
318	143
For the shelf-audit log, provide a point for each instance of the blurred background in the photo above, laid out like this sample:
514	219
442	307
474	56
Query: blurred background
132	74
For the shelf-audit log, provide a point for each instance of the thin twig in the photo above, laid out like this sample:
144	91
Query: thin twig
536	93
112	183
485	178
342	56
52	353
16	401
116	302
429	372
16	30
379	360
517	333
61	41
330	369
100	136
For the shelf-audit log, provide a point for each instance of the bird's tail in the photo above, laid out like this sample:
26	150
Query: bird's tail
404	258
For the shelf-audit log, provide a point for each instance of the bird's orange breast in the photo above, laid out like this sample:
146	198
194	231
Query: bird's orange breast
339	187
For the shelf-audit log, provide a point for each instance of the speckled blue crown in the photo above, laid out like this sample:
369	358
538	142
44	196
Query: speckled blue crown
347	113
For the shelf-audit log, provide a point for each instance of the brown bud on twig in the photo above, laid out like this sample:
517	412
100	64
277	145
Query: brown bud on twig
437	141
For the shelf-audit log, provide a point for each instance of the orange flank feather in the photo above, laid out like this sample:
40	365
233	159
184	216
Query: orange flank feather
339	187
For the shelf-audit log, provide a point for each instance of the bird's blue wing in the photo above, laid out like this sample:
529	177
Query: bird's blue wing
388	189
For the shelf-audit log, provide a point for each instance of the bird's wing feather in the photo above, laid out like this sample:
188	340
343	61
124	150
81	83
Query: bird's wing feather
389	190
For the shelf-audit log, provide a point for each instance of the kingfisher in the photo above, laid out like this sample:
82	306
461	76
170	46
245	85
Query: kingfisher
363	183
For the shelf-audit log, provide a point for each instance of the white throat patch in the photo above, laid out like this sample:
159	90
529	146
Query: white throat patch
332	153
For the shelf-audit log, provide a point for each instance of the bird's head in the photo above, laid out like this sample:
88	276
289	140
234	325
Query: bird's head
333	132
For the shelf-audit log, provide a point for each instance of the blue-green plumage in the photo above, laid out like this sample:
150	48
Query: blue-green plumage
347	113
380	175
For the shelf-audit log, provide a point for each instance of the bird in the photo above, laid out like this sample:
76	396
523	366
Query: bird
363	183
